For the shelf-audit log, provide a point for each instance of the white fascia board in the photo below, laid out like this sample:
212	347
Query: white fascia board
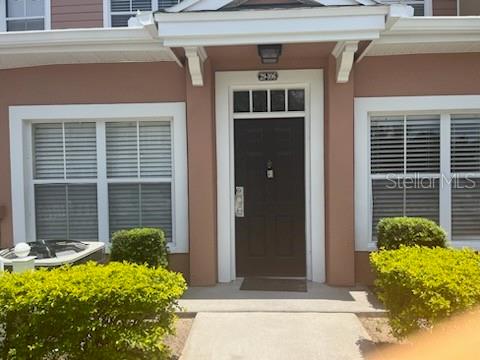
428	35
73	46
72	37
267	26
416	30
437	24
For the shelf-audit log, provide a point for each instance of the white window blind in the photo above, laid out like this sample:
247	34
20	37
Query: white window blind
122	149
80	150
65	153
155	147
405	167
139	149
139	170
122	10
25	15
465	168
48	151
140	205
66	211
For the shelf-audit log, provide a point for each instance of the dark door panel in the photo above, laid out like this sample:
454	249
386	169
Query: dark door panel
270	237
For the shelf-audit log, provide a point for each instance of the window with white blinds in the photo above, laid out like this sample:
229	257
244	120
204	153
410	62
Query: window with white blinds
138	177
465	169
418	156
405	167
83	171
65	189
122	10
139	171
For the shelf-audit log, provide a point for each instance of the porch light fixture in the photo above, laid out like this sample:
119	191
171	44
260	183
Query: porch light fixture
270	53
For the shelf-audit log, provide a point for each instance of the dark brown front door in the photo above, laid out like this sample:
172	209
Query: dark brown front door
270	166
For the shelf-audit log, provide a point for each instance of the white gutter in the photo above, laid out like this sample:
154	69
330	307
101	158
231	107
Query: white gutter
69	46
429	35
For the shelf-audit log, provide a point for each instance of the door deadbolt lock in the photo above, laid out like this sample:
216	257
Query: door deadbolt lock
239	201
270	172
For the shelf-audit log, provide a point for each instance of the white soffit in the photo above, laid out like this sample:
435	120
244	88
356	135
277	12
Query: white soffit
248	27
77	46
429	35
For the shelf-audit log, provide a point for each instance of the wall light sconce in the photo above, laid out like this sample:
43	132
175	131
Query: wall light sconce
270	53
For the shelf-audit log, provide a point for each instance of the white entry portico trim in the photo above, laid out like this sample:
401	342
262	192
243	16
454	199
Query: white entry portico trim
312	82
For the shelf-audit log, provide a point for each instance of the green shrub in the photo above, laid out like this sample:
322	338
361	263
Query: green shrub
140	246
420	286
409	231
91	311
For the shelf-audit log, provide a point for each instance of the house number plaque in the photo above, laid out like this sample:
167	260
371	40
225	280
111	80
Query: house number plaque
267	76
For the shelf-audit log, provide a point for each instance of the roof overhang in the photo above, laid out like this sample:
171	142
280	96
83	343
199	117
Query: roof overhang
429	35
35	48
246	27
212	5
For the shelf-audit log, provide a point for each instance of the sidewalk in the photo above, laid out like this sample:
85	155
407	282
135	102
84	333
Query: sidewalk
319	324
275	336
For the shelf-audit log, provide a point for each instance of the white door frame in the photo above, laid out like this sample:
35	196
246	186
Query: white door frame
312	81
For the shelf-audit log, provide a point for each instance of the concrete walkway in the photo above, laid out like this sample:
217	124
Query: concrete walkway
320	324
319	298
275	336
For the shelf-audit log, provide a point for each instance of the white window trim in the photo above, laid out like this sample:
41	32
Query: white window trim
47	16
428	9
107	14
312	82
21	119
405	105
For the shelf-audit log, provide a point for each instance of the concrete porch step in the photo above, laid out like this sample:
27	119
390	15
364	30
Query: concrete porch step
319	298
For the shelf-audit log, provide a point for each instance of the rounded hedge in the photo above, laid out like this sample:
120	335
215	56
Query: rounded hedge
140	246
420	286
409	231
91	311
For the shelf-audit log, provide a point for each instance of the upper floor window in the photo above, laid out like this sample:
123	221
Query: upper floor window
122	10
24	15
420	7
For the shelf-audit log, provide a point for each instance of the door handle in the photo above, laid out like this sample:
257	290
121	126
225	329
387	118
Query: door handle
239	201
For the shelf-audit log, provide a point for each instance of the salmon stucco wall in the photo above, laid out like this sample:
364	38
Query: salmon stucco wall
66	14
339	184
202	180
409	75
81	84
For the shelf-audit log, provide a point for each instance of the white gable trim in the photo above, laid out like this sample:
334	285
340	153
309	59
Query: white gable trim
205	5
